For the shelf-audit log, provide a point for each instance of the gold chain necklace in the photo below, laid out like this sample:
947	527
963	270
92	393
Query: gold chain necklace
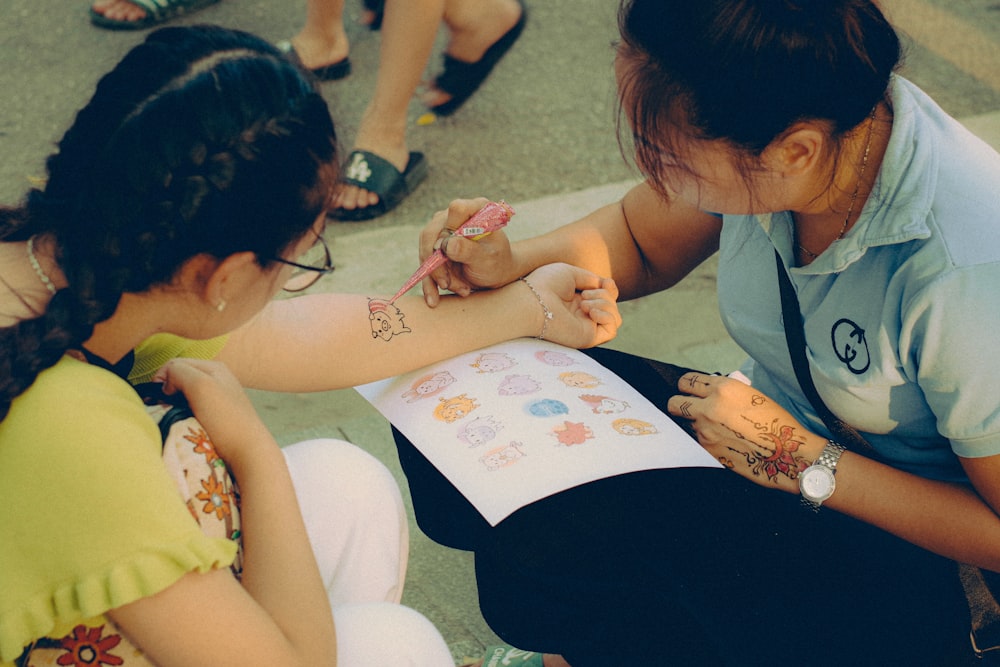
857	188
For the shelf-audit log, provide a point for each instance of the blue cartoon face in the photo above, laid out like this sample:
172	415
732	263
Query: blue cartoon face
547	407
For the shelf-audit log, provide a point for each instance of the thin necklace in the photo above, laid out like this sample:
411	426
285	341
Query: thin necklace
39	271
857	188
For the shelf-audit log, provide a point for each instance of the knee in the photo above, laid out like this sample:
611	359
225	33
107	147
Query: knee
387	634
341	470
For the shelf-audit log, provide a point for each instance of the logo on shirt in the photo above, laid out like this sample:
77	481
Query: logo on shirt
851	346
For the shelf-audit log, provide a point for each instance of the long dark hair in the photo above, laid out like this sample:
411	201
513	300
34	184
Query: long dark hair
745	71
201	140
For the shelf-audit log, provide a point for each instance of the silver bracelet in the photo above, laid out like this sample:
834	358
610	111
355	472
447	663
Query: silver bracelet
545	309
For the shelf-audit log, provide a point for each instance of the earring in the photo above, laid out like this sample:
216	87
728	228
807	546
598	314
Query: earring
221	306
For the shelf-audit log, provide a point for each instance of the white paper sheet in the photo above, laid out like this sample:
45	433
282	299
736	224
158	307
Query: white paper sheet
516	422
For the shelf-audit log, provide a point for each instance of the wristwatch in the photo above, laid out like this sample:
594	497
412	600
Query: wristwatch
817	482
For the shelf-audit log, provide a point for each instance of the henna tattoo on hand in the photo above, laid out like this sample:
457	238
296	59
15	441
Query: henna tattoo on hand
685	409
777	454
696	380
758	400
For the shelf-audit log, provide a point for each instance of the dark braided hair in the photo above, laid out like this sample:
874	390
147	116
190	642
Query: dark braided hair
745	71
201	140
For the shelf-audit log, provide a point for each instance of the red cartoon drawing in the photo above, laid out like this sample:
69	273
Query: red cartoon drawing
572	433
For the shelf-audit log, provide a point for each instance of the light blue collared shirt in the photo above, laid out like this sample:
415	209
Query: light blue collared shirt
902	315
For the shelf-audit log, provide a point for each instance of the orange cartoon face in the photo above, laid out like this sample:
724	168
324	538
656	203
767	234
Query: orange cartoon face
627	426
454	408
579	380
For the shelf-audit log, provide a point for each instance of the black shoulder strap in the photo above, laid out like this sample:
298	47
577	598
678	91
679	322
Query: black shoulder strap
842	432
121	369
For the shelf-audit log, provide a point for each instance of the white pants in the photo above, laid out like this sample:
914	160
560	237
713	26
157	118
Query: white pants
357	525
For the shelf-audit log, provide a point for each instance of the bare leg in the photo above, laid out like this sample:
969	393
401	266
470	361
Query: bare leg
322	40
475	25
119	10
409	28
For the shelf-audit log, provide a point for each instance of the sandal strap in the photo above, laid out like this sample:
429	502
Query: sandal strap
161	9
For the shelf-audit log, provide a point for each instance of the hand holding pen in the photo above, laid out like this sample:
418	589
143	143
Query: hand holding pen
491	217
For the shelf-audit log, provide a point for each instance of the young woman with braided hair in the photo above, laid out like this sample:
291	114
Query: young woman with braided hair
190	190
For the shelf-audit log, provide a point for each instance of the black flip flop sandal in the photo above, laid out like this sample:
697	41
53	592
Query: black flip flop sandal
375	174
461	79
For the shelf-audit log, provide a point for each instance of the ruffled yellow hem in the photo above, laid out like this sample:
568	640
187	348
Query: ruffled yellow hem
144	574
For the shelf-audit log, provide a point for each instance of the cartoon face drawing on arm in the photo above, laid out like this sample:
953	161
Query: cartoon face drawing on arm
386	319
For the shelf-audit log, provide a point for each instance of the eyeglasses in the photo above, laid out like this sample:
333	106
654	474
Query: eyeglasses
314	264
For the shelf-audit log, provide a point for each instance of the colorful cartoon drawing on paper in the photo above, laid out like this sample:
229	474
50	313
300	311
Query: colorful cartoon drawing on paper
501	457
386	320
572	433
579	380
454	408
604	405
547	407
554	358
428	385
480	431
627	426
518	385
492	362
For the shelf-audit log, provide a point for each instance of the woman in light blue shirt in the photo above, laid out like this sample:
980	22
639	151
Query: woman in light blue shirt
784	118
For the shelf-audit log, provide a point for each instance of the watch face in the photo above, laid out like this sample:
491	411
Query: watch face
817	483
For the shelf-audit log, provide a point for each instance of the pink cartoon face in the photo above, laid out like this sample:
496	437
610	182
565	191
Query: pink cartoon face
428	385
603	405
554	358
479	431
492	362
501	457
518	385
454	408
386	320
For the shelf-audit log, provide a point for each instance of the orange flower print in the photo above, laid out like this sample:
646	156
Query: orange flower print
85	647
216	498
202	444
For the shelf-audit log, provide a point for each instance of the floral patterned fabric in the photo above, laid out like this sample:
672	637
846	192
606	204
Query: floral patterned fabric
212	498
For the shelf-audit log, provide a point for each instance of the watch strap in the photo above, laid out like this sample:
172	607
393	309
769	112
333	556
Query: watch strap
828	459
830	455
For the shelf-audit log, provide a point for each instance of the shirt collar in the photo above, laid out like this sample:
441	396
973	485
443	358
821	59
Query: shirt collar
901	200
